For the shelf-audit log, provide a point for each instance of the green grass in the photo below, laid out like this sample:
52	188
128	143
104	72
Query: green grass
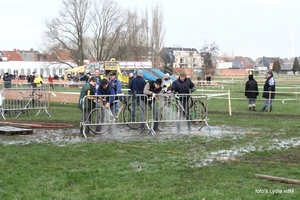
164	166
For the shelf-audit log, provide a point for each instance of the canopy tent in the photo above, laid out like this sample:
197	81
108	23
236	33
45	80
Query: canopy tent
79	69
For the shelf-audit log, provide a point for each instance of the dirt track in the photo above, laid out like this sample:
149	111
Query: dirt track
64	97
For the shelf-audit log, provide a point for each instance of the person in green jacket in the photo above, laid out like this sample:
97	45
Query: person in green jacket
90	101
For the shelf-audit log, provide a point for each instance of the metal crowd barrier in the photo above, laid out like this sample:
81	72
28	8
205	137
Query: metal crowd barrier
173	109
15	102
168	109
125	110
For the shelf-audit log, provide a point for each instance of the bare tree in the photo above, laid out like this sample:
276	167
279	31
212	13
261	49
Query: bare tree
101	29
208	51
157	32
68	30
225	56
106	29
132	42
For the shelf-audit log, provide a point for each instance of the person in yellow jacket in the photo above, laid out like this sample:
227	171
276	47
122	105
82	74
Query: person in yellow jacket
38	81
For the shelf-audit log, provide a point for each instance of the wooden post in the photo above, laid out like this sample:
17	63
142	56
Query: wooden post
280	179
270	92
229	102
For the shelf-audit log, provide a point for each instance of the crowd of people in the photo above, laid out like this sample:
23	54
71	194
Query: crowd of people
137	86
34	80
183	85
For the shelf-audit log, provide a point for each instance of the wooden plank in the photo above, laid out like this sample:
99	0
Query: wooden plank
10	130
280	179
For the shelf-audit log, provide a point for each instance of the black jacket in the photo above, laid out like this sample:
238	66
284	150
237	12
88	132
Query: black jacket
268	87
251	89
182	87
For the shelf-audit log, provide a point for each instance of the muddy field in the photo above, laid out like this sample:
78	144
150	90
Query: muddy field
119	133
123	134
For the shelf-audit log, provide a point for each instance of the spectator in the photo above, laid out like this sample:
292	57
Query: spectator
38	81
251	92
7	80
269	91
51	79
199	80
56	77
87	77
131	77
98	78
30	80
116	84
167	82
208	79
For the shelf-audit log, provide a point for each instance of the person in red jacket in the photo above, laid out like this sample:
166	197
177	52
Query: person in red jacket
50	79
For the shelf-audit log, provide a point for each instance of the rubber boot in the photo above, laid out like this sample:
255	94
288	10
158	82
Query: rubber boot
270	108
249	108
253	108
263	109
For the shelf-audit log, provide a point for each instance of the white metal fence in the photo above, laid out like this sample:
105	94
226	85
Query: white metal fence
140	112
31	101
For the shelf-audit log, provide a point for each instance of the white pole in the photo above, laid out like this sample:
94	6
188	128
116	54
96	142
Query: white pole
229	103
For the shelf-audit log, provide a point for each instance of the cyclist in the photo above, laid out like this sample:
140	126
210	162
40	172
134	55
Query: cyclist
183	85
106	88
137	85
107	102
151	89
89	104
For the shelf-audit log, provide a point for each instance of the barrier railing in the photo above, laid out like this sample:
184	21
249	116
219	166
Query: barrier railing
32	102
100	112
173	109
141	112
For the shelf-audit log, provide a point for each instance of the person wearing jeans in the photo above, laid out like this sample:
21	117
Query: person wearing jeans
269	91
137	85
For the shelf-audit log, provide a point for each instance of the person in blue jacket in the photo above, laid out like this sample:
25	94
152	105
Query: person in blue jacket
106	97
104	89
137	86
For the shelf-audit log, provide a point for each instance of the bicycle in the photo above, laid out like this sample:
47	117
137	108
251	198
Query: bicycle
22	106
169	112
106	117
130	116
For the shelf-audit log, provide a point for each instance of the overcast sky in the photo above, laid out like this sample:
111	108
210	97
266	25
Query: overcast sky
252	28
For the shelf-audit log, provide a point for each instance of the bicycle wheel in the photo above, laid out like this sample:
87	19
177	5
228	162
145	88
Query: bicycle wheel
15	109
99	116
132	119
197	112
32	109
169	113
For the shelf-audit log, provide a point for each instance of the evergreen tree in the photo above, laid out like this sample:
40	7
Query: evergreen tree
276	66
296	66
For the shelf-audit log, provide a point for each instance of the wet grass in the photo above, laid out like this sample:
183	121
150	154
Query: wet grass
143	170
208	166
